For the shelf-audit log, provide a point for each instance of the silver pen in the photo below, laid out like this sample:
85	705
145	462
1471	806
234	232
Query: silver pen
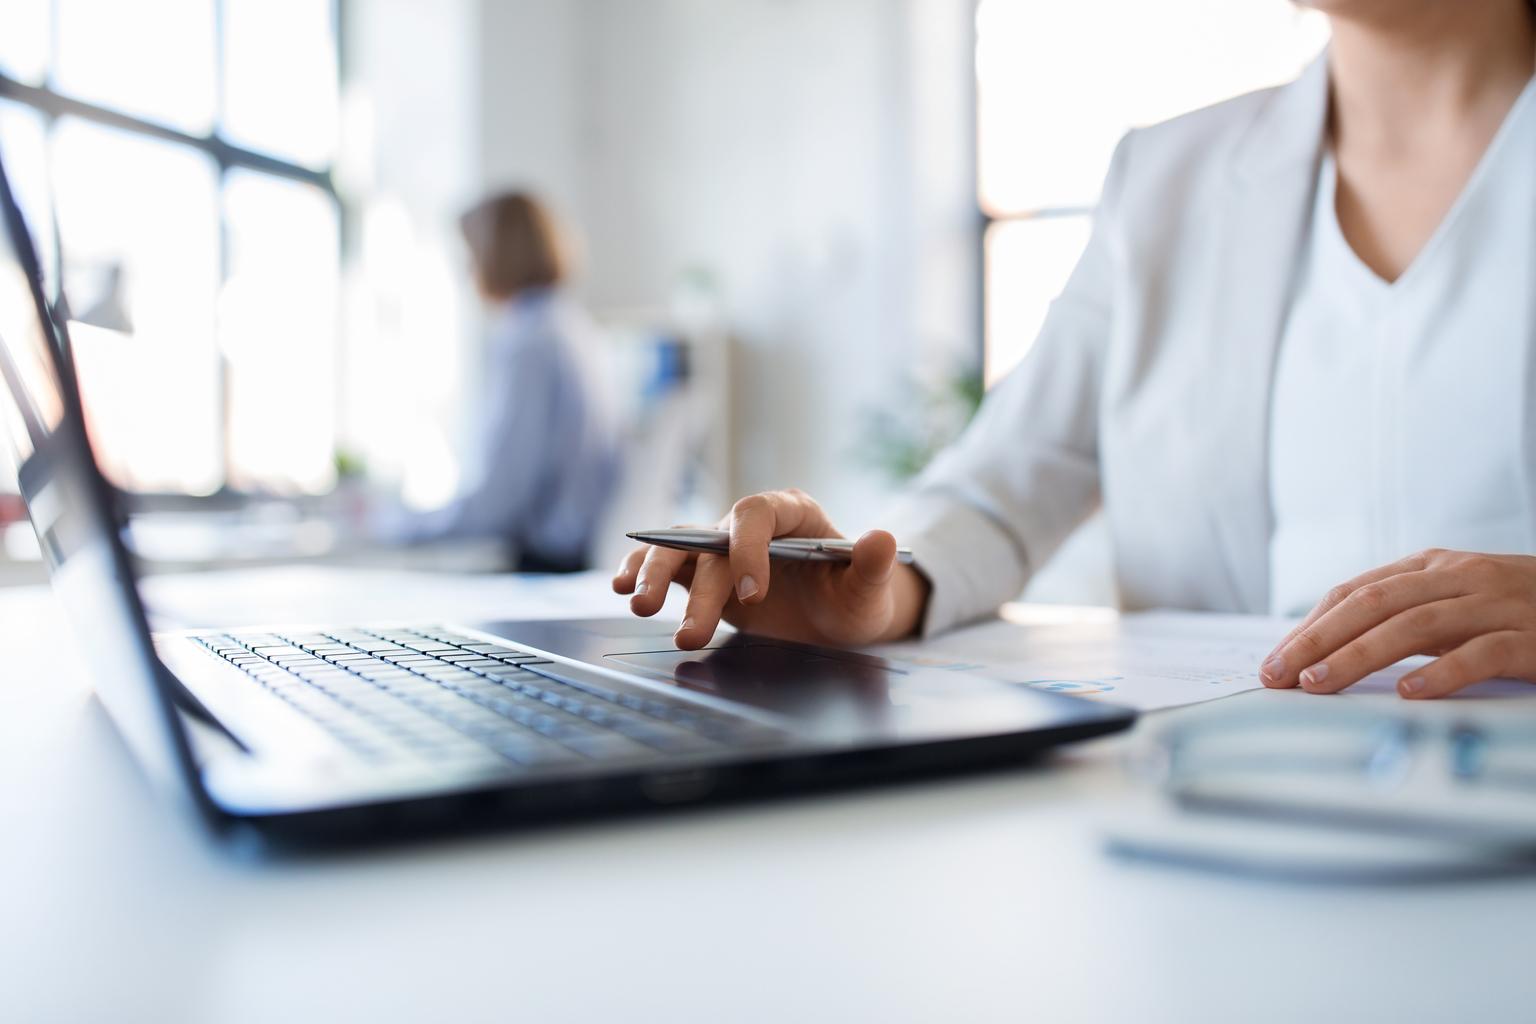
793	549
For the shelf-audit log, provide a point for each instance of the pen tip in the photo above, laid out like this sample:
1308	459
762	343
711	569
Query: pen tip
633	535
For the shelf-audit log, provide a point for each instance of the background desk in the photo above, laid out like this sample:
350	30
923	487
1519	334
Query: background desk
986	898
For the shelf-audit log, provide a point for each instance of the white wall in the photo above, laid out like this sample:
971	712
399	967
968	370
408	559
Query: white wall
813	155
533	66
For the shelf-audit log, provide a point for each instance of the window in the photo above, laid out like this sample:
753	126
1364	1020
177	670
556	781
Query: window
1058	84
178	153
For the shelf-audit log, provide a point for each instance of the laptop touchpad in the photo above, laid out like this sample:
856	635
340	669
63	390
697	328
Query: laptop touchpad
777	677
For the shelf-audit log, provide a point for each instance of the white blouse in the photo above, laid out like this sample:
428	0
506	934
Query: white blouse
1399	413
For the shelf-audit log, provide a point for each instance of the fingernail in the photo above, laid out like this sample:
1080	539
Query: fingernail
1314	675
686	627
642	588
1410	685
1273	669
746	588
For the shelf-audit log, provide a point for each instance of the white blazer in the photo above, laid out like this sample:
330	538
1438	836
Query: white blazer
1148	388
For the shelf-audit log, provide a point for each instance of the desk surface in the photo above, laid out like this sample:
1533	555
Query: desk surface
986	898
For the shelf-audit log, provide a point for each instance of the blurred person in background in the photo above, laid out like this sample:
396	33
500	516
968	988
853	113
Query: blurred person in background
543	462
1294	366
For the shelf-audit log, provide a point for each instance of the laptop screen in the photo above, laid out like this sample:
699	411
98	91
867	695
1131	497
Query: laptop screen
72	511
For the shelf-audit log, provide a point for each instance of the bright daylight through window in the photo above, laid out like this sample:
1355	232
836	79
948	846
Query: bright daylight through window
185	176
1058	84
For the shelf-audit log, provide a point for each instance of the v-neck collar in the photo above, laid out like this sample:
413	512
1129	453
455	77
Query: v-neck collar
1329	209
1332	249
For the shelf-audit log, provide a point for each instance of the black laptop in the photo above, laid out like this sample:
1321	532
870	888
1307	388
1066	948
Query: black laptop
319	730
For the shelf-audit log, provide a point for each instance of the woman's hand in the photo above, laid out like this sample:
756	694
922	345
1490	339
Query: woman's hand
1476	613
870	599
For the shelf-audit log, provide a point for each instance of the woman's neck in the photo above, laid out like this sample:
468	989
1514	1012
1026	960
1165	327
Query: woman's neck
1404	79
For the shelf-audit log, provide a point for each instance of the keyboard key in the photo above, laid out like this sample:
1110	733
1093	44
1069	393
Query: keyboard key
507	672
410	659
365	666
533	751
448	674
447	638
494	649
603	746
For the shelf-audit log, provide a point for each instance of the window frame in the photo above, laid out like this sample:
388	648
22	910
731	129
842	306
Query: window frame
988	218
54	105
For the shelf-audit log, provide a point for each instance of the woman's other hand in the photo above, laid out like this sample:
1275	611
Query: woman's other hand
870	599
1475	613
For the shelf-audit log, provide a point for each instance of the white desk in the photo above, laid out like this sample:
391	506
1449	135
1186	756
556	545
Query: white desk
979	899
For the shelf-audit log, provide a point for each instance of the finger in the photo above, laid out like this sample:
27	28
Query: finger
1427	625
866	579
1489	656
1365	608
757	519
657	571
1337	595
684	577
1412	563
706	599
629	568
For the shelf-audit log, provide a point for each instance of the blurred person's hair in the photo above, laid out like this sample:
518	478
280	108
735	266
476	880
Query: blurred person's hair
515	244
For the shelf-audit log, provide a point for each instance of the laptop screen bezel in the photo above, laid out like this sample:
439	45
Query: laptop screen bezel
142	701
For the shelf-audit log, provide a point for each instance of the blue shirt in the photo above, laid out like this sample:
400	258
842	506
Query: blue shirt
545	458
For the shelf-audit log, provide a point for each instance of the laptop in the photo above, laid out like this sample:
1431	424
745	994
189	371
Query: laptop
320	731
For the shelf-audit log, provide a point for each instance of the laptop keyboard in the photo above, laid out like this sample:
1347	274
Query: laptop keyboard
439	696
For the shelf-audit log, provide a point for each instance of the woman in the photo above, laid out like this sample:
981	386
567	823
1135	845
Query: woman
1298	347
545	459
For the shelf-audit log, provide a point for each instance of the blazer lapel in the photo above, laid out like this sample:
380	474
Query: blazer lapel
1268	210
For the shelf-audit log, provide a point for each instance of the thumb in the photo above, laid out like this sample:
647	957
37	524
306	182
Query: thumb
869	571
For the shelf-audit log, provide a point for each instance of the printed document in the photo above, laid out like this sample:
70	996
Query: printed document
1146	660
